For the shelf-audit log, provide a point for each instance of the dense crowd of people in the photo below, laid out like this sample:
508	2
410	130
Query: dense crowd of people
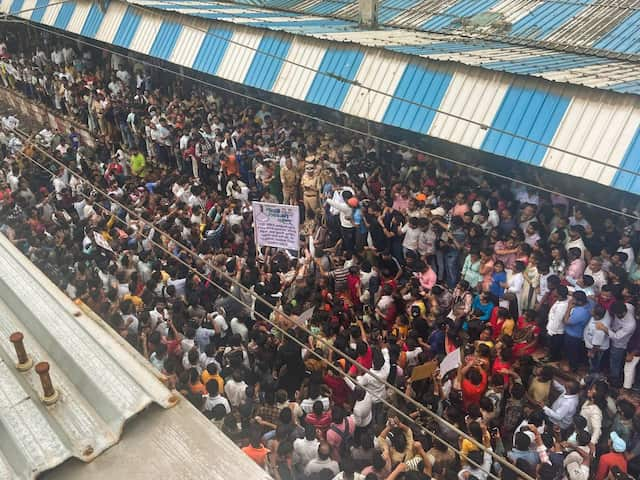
404	259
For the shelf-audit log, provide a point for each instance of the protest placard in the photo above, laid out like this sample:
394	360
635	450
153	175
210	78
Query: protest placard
424	371
450	362
276	225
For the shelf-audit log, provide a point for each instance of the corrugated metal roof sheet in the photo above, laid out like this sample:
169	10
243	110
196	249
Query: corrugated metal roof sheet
494	55
100	383
611	26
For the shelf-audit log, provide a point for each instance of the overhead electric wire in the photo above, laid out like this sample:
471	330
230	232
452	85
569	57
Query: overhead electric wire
503	461
354	130
316	71
371	90
257	298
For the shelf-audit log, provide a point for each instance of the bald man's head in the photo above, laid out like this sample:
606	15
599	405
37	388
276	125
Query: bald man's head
324	450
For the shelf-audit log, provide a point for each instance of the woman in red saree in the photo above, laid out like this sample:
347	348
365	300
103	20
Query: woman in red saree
525	338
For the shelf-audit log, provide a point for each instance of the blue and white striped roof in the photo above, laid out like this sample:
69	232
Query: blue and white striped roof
510	115
583	69
609	25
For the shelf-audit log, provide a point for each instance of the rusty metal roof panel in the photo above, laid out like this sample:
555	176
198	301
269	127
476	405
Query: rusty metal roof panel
100	382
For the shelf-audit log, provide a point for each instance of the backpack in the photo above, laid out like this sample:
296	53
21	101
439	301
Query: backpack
345	436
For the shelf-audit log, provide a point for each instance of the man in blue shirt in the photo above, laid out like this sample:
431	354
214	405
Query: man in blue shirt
575	320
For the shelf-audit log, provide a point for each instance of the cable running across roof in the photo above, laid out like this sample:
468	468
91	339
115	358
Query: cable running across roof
418	12
284	59
355	130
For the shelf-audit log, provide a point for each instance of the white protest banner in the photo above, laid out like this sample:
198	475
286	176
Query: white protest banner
450	362
276	225
100	240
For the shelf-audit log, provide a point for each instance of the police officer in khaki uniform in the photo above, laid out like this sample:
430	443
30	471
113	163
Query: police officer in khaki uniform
310	185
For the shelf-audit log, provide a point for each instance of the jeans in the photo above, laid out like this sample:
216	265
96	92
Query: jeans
595	361
616	363
127	136
437	263
573	347
348	239
451	267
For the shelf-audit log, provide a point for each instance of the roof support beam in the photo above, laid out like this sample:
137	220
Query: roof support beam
368	13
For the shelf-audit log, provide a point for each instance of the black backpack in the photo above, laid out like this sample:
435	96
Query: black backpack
346	436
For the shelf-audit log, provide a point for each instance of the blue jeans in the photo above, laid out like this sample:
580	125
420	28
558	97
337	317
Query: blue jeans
451	267
616	363
595	361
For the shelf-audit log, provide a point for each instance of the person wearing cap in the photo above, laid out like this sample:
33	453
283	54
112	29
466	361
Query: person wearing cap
289	179
615	457
575	320
310	185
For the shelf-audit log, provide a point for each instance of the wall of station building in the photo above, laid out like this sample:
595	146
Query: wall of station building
517	117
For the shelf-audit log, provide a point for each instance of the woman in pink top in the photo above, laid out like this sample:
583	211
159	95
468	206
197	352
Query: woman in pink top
461	207
342	428
505	251
486	268
427	277
576	266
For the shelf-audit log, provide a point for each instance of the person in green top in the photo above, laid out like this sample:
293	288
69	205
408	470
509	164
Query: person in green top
138	163
275	186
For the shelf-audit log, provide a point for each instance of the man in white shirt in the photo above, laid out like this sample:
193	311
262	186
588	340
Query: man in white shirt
305	449
594	269
516	281
324	461
218	322
363	407
411	235
239	327
56	57
575	239
314	396
625	247
562	410
555	323
123	75
68	54
235	389
215	398
157	315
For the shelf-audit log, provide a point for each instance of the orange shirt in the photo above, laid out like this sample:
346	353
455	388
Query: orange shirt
206	376
198	388
472	393
609	460
230	165
258	455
